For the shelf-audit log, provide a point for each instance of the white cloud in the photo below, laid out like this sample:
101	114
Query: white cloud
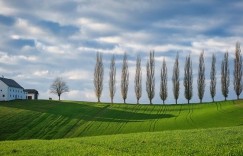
5	10
54	49
118	49
15	36
42	73
15	59
110	39
27	29
84	95
92	25
77	75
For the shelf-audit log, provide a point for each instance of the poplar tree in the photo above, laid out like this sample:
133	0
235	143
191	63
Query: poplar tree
176	79
225	79
201	77
238	71
188	79
138	79
124	78
163	82
213	80
98	76
112	81
150	81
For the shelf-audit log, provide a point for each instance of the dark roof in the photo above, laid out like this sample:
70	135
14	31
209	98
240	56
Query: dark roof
33	91
11	83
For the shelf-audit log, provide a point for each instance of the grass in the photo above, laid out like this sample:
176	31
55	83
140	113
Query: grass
213	141
53	119
84	128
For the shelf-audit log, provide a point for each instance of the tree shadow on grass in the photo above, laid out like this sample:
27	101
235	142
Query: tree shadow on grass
84	111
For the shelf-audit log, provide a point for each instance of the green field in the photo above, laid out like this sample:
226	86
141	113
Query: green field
196	128
216	141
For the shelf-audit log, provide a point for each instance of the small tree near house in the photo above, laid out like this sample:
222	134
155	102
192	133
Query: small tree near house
59	87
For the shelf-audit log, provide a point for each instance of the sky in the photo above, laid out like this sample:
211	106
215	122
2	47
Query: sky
42	40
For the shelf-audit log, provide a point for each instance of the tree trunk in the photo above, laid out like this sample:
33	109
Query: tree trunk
237	97
188	101
200	100
124	100
176	101
150	102
137	101
59	97
224	98
163	102
98	100
213	99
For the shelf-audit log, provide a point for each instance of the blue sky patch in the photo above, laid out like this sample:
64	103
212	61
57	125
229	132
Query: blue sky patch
58	29
6	20
19	43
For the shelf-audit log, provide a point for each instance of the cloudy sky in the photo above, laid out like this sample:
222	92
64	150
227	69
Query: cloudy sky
41	40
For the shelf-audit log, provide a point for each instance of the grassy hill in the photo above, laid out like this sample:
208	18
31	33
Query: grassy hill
213	141
66	119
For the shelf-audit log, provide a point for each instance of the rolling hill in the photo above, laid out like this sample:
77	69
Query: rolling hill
54	119
212	141
91	128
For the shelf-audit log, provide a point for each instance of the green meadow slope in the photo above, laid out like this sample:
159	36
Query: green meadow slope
53	120
212	141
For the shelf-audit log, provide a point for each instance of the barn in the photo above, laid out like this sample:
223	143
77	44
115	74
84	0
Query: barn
32	94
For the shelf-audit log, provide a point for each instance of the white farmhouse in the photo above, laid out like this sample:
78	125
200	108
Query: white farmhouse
11	90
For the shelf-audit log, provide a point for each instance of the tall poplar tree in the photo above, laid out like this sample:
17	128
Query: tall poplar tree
112	81
163	82
138	79
201	77
225	79
238	86
176	79
124	78
150	81
188	79
98	76
213	80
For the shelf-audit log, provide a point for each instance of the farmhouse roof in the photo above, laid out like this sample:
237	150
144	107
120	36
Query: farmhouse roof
33	91
10	83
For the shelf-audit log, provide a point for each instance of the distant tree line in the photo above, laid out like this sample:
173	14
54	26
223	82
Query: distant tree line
187	81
